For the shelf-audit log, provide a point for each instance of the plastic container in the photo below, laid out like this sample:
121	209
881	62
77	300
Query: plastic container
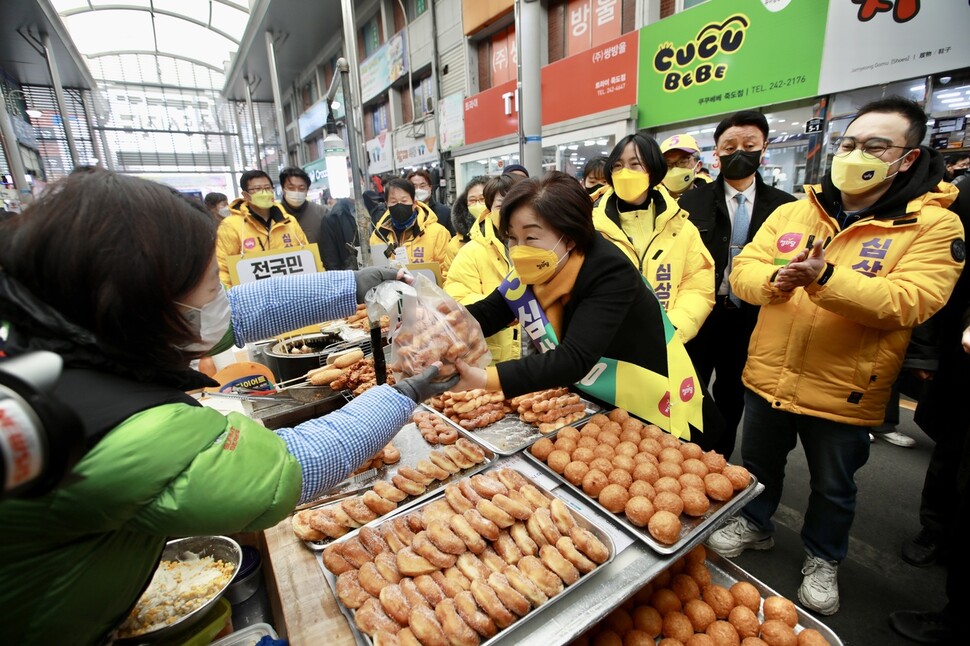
247	636
247	579
208	628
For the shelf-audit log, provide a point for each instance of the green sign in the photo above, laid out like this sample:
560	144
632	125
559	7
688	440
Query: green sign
317	170
729	55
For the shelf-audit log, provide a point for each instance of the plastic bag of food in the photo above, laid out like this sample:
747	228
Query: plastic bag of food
427	325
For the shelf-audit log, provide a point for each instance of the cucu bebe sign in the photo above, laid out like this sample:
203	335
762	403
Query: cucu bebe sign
690	63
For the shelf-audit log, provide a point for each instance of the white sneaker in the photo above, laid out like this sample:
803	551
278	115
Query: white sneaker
820	587
738	535
897	438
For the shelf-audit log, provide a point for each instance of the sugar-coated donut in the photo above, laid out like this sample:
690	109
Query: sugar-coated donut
506	548
568	549
410	563
424	624
458	456
406	638
356	509
415	476
463	530
487	486
387	491
412	594
561	516
589	545
407	485
492	560
454	575
525	586
354	552
485	527
472	567
429	589
545	579
516	510
457	500
468	491
456	630
520	534
423	546
395	603
305	531
371	618
431	469
349	590
535	497
472	615
372	541
546	525
402	530
555	561
511	478
334	561
436	510
386	563
488	601
471	450
509	596
371	579
440	459
442	536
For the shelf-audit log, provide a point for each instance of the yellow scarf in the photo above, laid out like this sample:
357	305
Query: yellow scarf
554	295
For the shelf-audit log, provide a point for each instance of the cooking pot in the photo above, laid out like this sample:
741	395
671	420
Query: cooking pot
296	356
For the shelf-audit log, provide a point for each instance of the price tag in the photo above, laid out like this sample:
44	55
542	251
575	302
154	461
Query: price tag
401	255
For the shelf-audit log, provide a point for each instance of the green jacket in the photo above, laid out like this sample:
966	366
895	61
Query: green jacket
185	471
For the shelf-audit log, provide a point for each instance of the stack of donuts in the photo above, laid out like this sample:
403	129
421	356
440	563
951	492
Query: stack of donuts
435	430
464	567
642	472
334	521
472	409
682	606
549	409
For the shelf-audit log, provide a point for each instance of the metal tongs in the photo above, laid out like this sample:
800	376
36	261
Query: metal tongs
347	488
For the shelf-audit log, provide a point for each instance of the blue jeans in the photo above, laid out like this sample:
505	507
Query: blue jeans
834	452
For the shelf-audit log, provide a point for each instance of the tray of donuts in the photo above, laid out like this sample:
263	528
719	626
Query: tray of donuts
493	551
664	490
704	599
422	471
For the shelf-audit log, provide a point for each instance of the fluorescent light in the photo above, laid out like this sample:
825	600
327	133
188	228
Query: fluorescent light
706	130
781	121
602	142
589	142
35	114
917	88
773	130
945	95
794	123
693	132
573	147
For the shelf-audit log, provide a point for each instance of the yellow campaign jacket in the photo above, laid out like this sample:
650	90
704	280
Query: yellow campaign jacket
454	246
676	263
476	272
834	350
244	231
425	240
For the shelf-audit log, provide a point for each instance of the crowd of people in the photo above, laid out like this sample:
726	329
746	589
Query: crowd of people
694	303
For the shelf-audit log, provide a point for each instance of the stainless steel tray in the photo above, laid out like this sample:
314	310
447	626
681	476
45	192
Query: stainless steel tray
691	527
413	447
581	520
510	434
725	573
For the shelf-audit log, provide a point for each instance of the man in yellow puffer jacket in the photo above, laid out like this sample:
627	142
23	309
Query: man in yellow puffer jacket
842	277
412	225
256	222
482	265
655	233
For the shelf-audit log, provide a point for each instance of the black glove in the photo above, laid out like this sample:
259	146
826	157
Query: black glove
421	387
371	277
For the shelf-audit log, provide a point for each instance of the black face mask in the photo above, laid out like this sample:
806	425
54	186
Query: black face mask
402	215
959	171
740	164
592	189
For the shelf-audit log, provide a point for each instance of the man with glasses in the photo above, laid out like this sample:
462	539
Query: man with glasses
842	277
728	212
257	222
682	155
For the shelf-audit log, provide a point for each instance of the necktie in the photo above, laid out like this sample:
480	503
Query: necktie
739	234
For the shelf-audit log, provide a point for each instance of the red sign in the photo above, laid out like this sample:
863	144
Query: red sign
504	59
590	23
598	79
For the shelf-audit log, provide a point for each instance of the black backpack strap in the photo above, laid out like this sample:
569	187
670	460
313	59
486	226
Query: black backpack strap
103	400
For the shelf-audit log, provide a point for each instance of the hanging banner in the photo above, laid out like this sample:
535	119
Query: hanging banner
386	65
728	55
880	41
451	121
380	159
415	151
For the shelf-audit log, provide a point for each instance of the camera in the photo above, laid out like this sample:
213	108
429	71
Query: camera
41	439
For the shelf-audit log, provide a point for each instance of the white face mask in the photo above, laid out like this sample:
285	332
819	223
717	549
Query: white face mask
422	194
296	198
224	212
210	322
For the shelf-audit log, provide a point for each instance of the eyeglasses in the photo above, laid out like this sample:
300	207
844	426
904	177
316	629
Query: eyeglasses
475	200
874	148
685	162
257	189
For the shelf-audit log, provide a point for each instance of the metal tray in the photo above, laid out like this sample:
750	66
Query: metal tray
413	447
725	573
510	434
691	527
581	520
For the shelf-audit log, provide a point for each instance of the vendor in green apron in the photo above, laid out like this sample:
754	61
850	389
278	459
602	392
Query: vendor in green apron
588	318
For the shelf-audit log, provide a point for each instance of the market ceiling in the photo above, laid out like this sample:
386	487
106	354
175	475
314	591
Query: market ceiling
21	54
300	34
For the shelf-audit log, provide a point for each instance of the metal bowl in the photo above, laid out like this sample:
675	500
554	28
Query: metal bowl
220	548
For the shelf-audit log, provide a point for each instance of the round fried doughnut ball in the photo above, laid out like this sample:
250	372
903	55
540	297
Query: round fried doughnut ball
699	639
575	471
777	633
639	510
700	573
782	609
665	527
614	497
637	638
567	432
668	441
604	451
630	436
671	454
646	471
594	481
619	621
670	641
566	444
695	466
746	595
667	483
624	462
641	488
625	447
650	445
583	454
739	476
619	415
591	429
678	626
723	634
586	442
643	456
598	419
690	450
558	460
543	448
612	439
700	614
631	424
647	619
665	601
811	637
714	462
607	638
744	621
695	502
696	555
692	481
685	588
620	477
669	469
668	501
719	599
754	641
718	487
602	464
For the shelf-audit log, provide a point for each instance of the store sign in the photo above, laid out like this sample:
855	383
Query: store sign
317	171
386	65
598	79
415	151
379	155
870	42
591	23
451	121
504	56
728	55
813	126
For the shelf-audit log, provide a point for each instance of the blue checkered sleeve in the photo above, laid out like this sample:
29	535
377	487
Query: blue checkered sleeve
272	306
331	447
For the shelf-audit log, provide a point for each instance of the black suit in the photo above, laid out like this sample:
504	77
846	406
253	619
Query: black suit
721	345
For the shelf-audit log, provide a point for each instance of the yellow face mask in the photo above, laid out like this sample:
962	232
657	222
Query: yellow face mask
535	266
495	216
478	210
262	199
630	185
678	179
855	173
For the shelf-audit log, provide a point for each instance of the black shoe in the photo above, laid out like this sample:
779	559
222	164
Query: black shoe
923	550
921	627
